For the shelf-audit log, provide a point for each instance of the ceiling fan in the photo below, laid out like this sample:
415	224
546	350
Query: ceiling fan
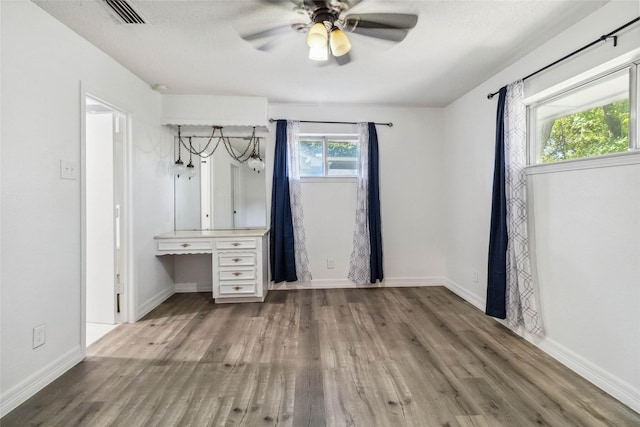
329	22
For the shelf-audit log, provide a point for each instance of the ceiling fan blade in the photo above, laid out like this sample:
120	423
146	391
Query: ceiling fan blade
386	26
404	21
390	34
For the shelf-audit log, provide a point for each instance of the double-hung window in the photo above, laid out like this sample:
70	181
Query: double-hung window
593	119
328	155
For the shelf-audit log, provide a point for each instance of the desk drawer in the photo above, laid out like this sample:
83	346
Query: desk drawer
233	259
230	273
240	288
242	243
185	245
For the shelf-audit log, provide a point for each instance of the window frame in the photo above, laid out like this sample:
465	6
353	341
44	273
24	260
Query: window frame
631	156
326	138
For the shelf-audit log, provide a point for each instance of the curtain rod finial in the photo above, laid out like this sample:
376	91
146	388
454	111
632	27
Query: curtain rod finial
491	95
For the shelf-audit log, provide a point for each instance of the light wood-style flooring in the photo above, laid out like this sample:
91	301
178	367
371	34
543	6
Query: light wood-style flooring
342	357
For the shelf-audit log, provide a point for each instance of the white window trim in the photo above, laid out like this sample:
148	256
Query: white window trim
328	179
630	157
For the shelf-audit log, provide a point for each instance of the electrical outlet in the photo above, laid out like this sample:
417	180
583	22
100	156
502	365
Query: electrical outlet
330	263
39	335
69	169
475	277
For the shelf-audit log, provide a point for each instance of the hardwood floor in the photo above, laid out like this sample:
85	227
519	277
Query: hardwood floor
342	357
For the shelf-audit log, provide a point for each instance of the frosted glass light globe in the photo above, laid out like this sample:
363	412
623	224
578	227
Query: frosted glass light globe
318	53
317	36
339	42
179	168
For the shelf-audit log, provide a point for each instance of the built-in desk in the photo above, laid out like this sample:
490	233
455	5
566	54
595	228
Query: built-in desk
238	259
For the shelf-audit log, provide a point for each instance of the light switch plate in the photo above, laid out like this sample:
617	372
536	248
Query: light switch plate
69	169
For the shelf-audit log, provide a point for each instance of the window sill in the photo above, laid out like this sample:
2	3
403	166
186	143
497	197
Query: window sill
610	160
328	179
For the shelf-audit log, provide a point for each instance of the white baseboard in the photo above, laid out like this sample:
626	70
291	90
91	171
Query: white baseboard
616	387
410	282
463	293
152	303
393	282
182	288
22	391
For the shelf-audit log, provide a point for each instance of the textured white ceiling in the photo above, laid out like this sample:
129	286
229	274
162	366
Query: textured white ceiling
195	47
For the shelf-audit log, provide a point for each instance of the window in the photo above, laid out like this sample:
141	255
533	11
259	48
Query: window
591	120
329	155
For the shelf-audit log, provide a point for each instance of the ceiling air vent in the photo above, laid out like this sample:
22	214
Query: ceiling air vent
125	11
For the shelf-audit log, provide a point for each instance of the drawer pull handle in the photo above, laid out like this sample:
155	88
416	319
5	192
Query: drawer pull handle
185	245
235	273
235	244
237	288
237	260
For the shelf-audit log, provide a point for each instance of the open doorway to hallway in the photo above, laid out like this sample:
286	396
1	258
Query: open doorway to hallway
105	237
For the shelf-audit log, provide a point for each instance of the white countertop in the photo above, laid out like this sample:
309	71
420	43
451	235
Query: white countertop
207	234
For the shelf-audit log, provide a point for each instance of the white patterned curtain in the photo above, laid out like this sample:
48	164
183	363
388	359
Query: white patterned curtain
521	301
295	195
359	265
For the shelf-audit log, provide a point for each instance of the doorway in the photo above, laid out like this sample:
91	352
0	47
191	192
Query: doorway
105	235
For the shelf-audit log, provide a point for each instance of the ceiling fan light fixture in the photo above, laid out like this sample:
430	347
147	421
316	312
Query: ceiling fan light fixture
319	53
339	42
317	35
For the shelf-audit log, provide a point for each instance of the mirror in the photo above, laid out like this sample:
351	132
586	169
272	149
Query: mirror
223	194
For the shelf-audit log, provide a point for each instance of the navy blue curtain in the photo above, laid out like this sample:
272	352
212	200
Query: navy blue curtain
375	232
497	277
282	251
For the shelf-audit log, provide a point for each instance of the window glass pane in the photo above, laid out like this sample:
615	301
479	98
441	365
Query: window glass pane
311	162
342	158
590	121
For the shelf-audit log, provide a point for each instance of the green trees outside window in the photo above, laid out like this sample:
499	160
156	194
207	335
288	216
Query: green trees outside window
594	132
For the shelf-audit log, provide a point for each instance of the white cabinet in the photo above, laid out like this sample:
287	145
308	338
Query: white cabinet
239	269
239	260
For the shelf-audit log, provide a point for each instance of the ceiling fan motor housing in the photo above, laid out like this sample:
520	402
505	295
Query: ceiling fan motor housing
325	16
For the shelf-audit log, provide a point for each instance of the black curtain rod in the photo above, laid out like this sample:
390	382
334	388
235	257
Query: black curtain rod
575	52
334	123
215	136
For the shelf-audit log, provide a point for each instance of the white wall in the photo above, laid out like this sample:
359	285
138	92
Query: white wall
587	222
43	65
411	193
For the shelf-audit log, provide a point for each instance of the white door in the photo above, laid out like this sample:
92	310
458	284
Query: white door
119	247
104	209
